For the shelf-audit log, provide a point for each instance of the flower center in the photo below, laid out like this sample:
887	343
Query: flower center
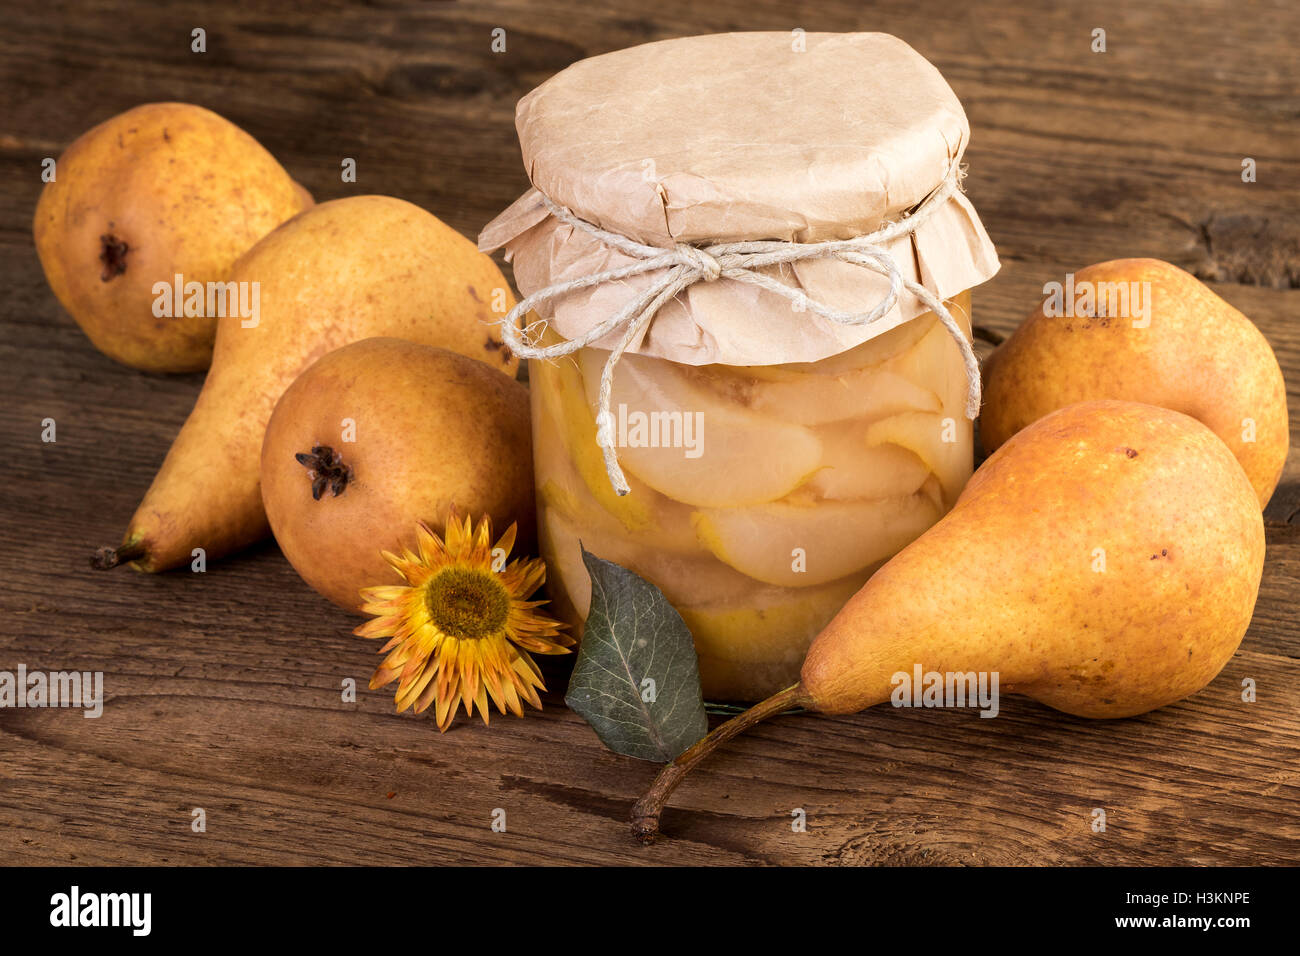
467	604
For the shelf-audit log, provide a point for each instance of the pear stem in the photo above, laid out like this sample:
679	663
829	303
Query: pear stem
106	558
645	815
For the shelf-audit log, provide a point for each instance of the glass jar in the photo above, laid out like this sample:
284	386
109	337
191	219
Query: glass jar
787	414
762	497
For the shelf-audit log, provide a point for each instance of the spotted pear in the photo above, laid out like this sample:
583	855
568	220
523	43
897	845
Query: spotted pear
339	272
380	435
1143	330
1104	561
162	190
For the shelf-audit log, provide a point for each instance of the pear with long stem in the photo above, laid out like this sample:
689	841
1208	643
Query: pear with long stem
1104	561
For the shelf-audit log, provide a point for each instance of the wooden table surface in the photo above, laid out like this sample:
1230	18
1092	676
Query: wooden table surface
223	689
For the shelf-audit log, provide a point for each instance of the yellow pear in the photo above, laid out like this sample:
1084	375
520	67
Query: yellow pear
427	431
1170	342
340	272
1104	561
162	190
305	198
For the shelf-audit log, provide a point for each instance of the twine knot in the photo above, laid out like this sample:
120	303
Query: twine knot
701	261
685	264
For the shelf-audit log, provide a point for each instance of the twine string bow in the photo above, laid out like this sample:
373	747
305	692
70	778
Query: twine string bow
685	264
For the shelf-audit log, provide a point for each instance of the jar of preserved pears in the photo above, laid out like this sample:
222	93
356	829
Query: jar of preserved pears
773	455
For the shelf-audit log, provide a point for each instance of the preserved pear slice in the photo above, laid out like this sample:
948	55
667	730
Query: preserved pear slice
865	395
579	487
739	458
835	538
864	392
871	352
936	360
923	434
670	531
685	579
854	469
564	417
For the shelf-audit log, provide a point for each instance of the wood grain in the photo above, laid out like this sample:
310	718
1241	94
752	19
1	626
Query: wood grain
224	688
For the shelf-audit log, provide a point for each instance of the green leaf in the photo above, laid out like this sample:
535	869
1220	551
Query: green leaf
637	680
